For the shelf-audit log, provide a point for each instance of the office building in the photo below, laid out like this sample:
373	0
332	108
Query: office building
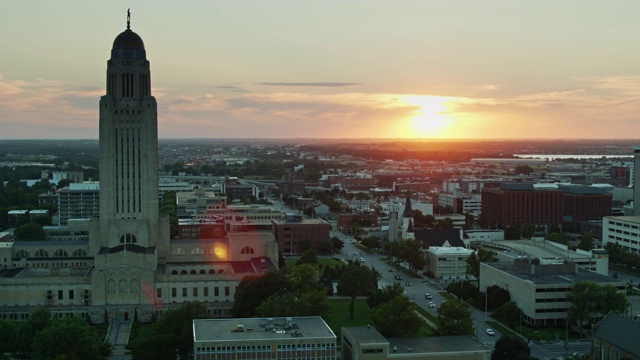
308	338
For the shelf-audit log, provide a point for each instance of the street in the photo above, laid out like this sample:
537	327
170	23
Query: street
421	286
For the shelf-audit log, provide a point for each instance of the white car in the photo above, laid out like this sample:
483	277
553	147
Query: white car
490	332
432	304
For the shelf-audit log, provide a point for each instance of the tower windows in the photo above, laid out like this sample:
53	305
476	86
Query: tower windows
128	238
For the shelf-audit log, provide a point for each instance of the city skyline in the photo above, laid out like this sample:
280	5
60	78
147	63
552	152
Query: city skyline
332	69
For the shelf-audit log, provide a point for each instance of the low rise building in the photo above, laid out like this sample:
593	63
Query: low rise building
366	343
444	262
308	338
622	230
540	288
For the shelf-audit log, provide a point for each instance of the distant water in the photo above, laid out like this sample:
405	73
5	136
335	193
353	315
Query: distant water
557	156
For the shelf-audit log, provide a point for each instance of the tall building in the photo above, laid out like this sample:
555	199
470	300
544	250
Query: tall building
128	238
129	265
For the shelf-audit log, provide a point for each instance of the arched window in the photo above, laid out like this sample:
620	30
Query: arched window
122	286
134	285
22	254
247	250
42	253
79	253
60	253
212	271
174	272
183	272
128	238
111	286
203	271
179	251
220	271
197	251
193	272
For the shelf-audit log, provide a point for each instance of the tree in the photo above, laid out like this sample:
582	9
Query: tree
70	338
29	232
586	242
610	299
308	257
512	232
337	243
179	324
384	295
510	348
252	290
396	318
303	278
496	296
445	223
454	318
310	303
39	320
325	247
410	250
528	229
583	297
356	281
478	256
8	333
509	313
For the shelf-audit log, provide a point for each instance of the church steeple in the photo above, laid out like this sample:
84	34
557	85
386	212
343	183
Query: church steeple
408	212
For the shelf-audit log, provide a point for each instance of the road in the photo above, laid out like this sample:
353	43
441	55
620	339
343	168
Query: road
421	286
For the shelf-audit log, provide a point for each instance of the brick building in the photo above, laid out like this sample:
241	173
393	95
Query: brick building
519	203
291	232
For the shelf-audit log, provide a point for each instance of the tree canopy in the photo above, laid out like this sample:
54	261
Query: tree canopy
454	318
588	298
511	348
396	318
357	280
172	332
252	290
478	256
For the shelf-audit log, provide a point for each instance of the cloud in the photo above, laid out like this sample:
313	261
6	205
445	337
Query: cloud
315	84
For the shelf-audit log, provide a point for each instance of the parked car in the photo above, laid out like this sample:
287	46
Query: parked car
490	332
432	304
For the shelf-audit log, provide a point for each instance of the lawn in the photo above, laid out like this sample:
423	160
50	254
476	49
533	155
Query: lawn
339	316
332	262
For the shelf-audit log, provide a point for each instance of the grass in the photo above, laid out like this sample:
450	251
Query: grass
333	262
501	329
447	296
339	316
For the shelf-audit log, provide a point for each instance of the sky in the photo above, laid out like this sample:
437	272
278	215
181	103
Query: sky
332	68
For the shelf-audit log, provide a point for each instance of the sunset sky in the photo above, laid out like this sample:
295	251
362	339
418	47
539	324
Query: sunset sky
332	68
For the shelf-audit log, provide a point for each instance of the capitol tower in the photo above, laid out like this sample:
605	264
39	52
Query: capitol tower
129	237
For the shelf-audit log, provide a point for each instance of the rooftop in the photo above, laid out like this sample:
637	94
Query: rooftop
244	329
549	277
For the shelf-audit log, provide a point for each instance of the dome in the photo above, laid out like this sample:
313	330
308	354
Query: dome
128	40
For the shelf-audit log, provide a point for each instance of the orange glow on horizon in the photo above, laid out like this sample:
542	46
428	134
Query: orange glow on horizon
432	119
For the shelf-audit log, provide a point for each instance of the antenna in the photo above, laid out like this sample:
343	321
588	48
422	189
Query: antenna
128	19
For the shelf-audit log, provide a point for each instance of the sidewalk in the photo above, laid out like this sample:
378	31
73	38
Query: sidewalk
119	337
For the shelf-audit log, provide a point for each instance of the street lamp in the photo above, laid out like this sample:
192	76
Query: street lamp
566	335
486	297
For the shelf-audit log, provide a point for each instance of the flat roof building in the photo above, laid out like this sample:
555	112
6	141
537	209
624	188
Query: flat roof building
366	343
307	337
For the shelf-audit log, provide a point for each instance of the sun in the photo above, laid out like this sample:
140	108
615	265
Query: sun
431	118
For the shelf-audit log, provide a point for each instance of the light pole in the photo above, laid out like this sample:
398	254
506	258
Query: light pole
566	335
486	297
